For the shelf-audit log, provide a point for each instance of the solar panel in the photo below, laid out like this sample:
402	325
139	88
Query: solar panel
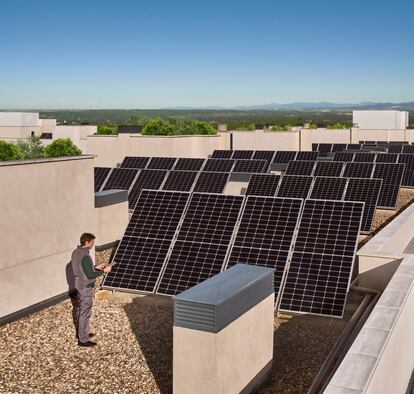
295	186
265	234
364	157
121	178
395	148
161	163
358	170
263	185
189	164
324	149
391	175
157	214
264	155
202	241
315	147
250	166
300	167
180	180
219	165
211	182
46	136
338	147
135	162
408	160
328	168
242	154
222	154
328	188
284	156
387	158
100	175
353	146
366	191
141	253
306	155
343	156
320	269
147	179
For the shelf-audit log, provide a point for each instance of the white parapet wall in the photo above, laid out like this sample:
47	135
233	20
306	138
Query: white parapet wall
381	359
111	150
266	140
46	205
377	119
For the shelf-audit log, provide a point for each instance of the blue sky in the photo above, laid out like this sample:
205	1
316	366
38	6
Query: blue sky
154	54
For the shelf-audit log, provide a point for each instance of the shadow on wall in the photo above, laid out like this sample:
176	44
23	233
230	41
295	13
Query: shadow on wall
154	334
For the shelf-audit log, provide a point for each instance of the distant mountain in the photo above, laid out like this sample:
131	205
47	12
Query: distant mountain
323	105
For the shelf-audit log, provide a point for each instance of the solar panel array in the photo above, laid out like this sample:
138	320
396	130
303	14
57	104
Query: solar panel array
300	167
328	188
295	186
121	178
328	168
180	180
250	166
100	175
189	164
135	162
219	165
391	175
211	182
161	163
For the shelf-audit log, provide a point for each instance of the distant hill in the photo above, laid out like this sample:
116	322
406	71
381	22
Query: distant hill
313	106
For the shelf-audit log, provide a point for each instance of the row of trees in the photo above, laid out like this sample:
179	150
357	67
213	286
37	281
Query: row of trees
32	148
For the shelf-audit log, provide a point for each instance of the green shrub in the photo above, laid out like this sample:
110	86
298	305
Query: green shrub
336	126
62	147
280	128
9	151
31	147
158	127
104	129
313	126
203	128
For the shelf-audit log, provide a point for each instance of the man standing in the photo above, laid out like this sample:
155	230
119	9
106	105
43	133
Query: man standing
85	274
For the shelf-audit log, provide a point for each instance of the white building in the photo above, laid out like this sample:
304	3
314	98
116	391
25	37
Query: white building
387	119
18	125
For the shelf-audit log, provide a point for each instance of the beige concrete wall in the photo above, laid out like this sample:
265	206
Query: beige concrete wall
13	133
266	140
224	362
340	136
78	134
111	222
46	205
111	150
47	125
377	135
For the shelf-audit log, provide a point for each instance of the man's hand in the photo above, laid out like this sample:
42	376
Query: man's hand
100	267
107	268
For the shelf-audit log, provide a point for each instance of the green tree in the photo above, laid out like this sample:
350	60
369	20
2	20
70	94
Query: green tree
336	126
9	151
204	128
31	147
138	120
158	127
62	147
104	129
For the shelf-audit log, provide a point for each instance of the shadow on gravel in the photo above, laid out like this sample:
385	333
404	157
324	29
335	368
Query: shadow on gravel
152	322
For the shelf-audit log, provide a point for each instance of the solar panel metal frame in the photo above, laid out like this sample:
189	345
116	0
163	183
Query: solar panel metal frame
185	182
408	160
351	269
223	177
257	232
395	148
257	183
264	155
324	148
139	162
387	158
300	167
356	169
338	147
344	156
157	240
99	177
364	157
216	165
189	164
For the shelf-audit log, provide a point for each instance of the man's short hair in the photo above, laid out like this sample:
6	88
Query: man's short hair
86	237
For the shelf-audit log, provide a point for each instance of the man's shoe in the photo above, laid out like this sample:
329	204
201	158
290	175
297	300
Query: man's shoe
87	344
91	335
